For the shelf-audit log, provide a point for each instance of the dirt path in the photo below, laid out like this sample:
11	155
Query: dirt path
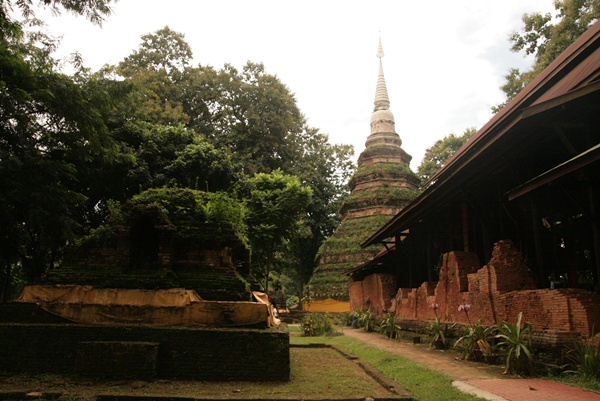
441	361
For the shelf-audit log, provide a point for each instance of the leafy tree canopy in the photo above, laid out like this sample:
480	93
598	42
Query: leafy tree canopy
275	207
72	146
442	150
545	36
51	129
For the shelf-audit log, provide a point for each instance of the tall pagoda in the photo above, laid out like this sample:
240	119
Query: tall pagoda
382	185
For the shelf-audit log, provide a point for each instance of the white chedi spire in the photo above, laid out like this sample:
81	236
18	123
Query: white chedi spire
382	102
383	126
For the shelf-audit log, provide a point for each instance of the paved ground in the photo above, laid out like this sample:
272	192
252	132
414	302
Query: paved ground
483	380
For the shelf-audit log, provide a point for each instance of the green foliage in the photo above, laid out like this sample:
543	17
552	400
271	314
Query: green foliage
51	131
438	334
72	145
585	356
316	324
292	300
442	150
163	50
275	207
515	342
226	125
478	340
184	206
94	10
366	320
102	236
392	170
422	383
546	36
373	195
389	326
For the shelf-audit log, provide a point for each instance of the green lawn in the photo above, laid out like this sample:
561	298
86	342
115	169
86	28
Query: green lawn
423	383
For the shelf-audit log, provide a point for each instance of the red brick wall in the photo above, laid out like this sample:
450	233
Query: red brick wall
376	291
496	292
356	295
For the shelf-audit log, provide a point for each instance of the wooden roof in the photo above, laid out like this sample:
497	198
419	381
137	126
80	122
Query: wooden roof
568	90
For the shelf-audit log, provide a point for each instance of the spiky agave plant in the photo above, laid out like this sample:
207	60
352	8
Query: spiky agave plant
389	326
515	340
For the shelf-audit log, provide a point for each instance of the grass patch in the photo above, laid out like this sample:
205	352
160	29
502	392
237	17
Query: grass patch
316	374
423	383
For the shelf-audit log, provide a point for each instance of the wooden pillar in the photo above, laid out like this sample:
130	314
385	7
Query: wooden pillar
596	233
429	250
536	220
465	227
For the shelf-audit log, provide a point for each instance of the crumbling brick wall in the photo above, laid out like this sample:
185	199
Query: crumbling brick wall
357	297
496	292
376	291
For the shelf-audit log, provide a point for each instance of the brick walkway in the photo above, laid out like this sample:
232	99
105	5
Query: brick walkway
483	380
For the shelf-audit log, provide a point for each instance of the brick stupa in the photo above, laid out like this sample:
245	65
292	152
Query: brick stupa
382	185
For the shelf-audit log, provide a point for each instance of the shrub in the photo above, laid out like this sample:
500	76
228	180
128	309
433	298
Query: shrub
347	318
477	341
438	332
515	341
389	327
316	324
366	320
585	355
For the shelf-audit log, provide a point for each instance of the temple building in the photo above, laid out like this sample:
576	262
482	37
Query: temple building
510	224
381	186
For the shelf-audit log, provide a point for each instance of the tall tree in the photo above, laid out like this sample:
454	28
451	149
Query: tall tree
442	150
546	36
326	169
164	50
50	129
182	125
94	10
276	206
258	120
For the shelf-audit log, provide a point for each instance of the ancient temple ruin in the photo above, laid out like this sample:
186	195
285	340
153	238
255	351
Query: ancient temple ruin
381	186
162	290
510	223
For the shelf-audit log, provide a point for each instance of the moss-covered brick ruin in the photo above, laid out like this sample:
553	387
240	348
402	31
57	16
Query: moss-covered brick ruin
382	185
162	290
166	238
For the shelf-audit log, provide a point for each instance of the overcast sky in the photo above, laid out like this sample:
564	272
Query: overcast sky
444	59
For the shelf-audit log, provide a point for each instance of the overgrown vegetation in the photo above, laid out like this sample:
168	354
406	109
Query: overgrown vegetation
389	326
515	343
316	324
73	145
502	342
585	358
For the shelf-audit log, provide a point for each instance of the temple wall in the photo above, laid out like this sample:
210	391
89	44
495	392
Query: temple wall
182	353
496	292
376	291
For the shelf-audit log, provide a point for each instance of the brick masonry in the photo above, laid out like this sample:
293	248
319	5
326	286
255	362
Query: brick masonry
497	292
120	359
182	353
